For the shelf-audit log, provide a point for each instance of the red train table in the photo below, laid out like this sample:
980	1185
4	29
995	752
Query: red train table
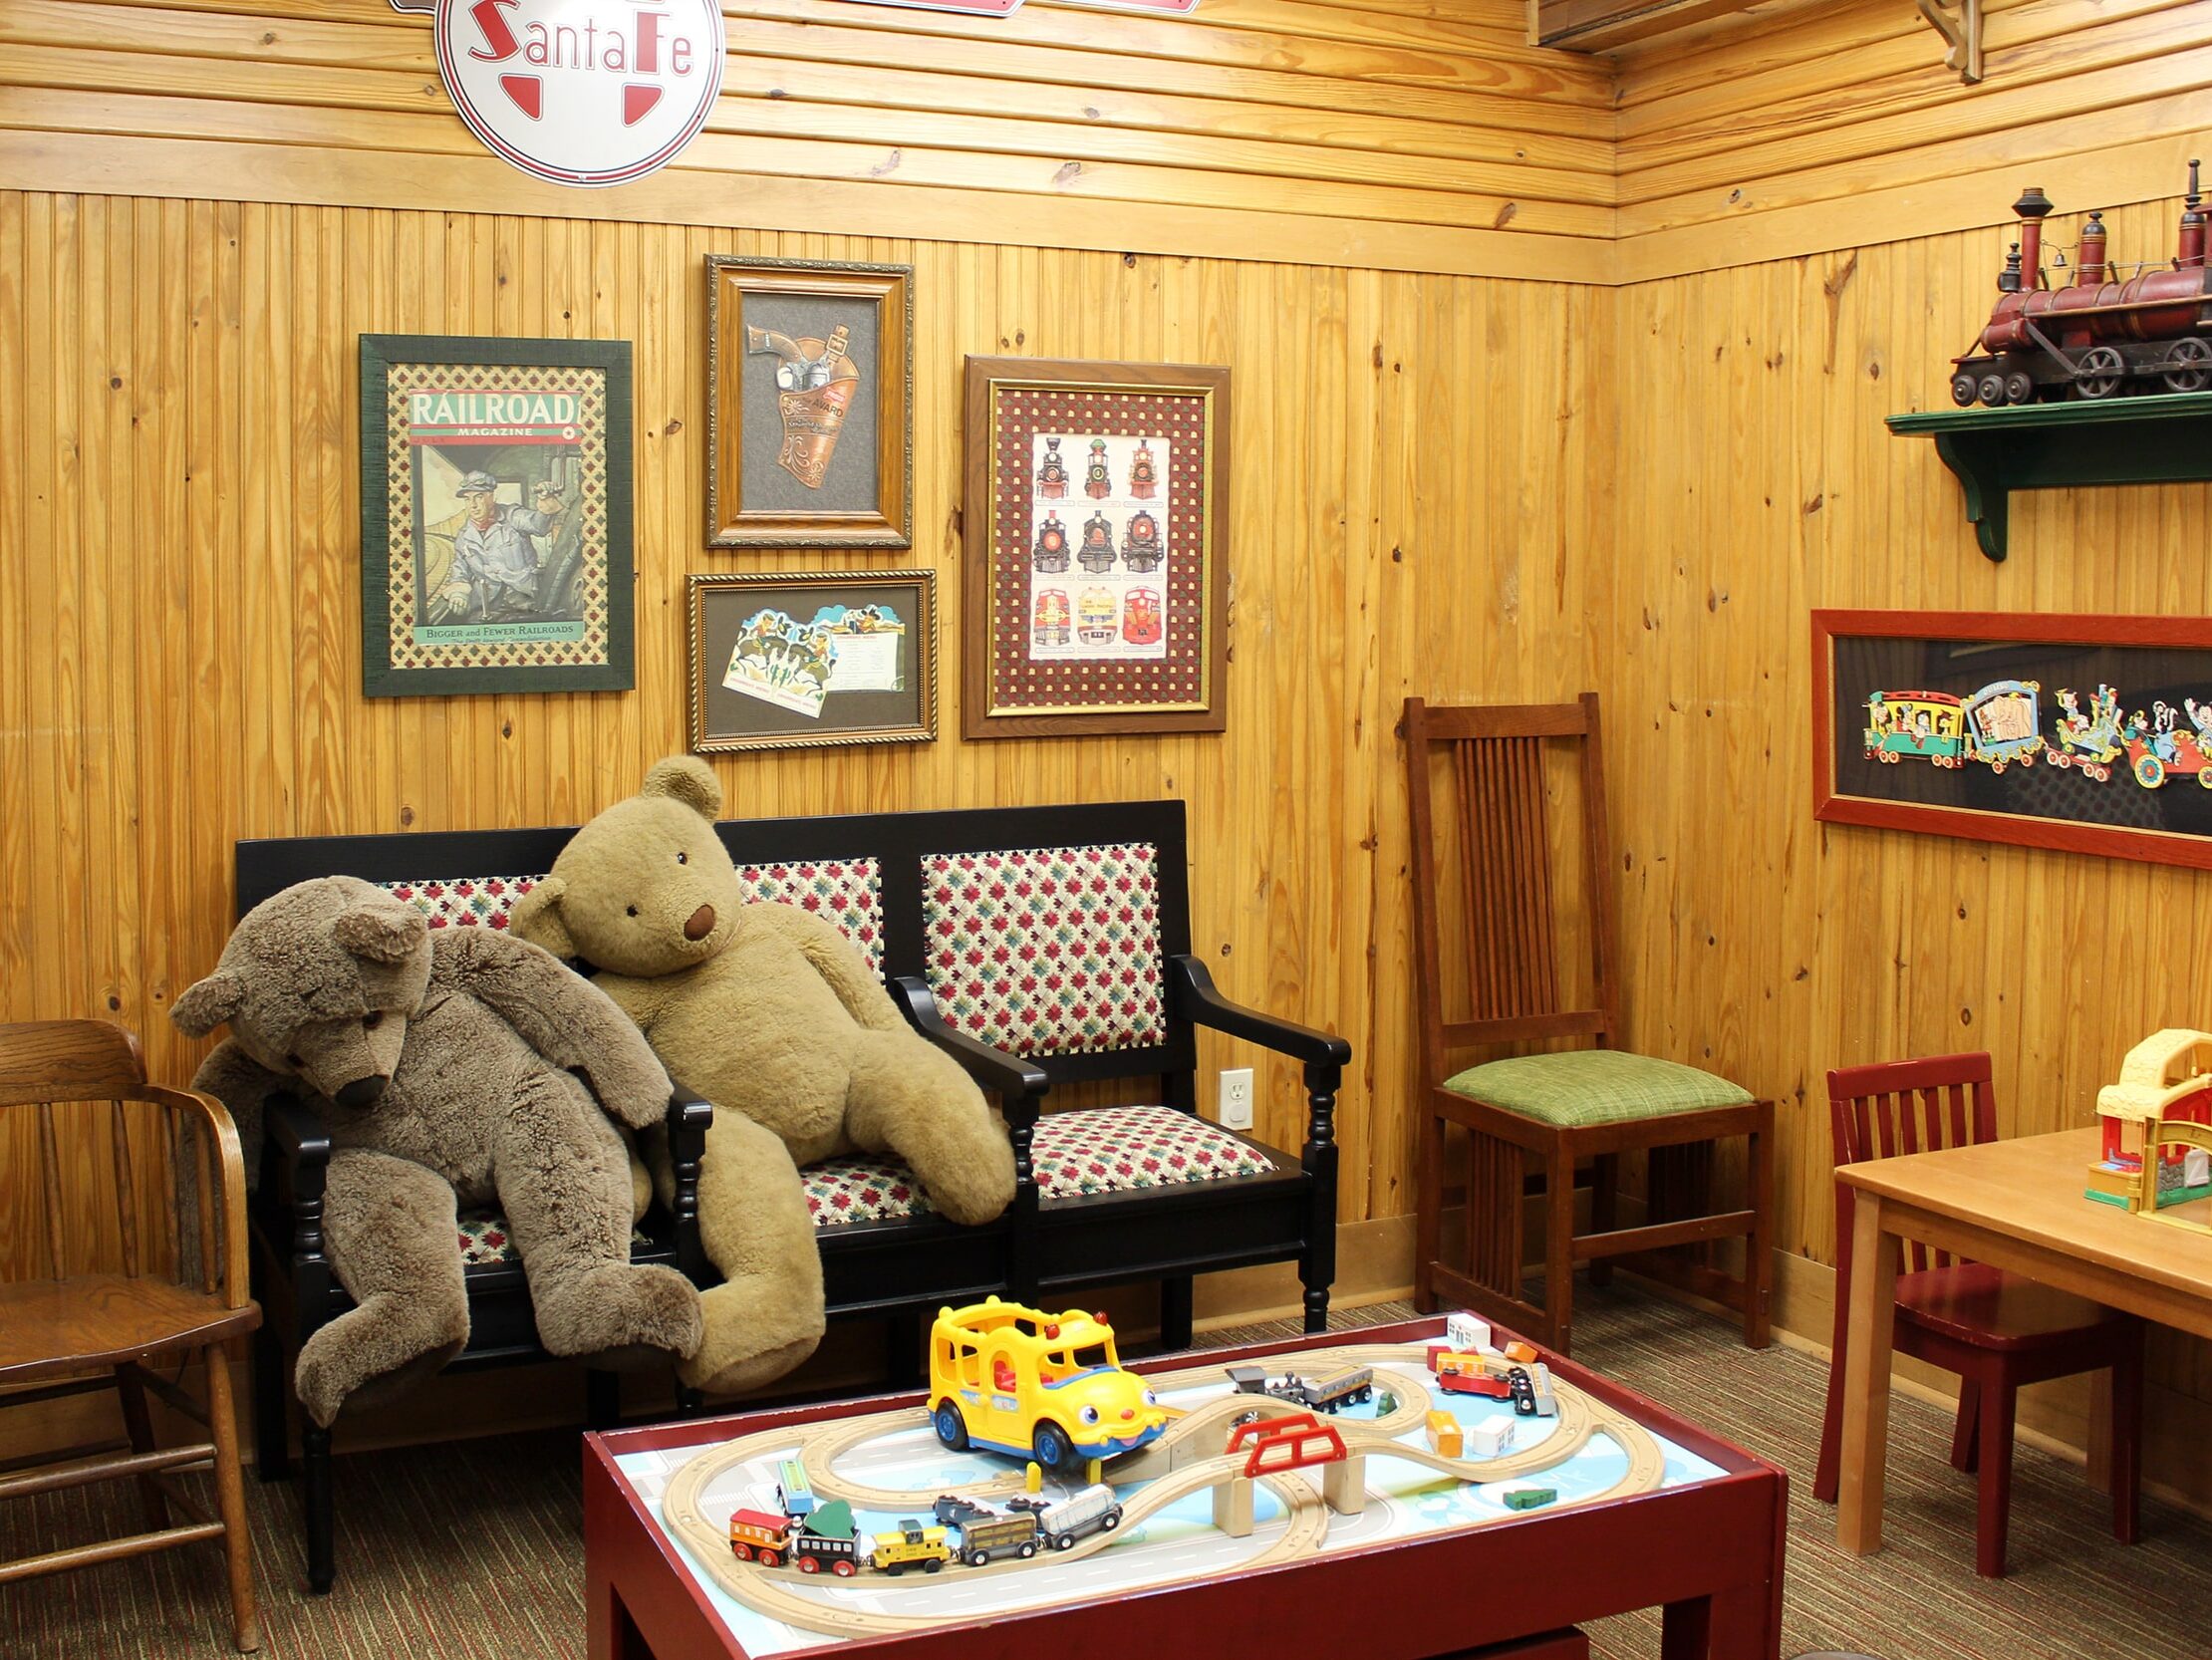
1395	1520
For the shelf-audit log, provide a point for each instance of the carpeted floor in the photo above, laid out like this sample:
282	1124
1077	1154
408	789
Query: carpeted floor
473	1551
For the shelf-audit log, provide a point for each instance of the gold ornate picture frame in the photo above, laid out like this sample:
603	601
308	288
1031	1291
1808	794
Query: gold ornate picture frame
810	404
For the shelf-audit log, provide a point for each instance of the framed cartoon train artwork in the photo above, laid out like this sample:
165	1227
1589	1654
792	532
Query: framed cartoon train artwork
2091	734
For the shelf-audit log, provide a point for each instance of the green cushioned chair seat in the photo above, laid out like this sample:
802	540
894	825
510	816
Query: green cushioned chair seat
1582	1088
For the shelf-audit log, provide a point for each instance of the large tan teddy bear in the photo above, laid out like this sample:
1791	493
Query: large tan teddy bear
769	1014
445	1070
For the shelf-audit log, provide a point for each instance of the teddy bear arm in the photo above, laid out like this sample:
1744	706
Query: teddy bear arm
563	1016
242	1084
839	963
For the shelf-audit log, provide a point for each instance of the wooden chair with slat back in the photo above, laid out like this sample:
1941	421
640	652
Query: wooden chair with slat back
79	1331
1997	1330
1495	836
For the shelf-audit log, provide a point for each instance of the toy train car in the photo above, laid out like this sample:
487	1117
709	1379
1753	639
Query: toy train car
822	1542
2099	336
1333	1394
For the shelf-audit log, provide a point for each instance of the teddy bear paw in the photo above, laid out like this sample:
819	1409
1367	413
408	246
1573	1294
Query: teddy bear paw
757	1329
619	1313
364	1363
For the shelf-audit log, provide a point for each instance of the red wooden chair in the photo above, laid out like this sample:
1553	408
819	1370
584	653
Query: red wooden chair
1997	1330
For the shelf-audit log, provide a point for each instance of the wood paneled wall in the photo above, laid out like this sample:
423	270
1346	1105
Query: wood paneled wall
1815	127
1426	137
1761	482
180	656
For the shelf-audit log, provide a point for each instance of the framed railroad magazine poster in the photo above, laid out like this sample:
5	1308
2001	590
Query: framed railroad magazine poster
809	415
2088	734
1097	548
784	659
495	551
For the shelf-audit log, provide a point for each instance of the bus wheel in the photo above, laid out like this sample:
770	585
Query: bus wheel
951	1427
1054	1449
842	1571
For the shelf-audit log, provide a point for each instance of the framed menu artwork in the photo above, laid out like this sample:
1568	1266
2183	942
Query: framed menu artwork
790	658
1097	548
809	415
495	530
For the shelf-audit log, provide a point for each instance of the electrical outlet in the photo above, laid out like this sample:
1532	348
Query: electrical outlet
1237	1099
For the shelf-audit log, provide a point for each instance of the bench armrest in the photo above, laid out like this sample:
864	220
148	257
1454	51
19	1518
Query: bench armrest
689	1118
1194	999
295	1152
1020	1083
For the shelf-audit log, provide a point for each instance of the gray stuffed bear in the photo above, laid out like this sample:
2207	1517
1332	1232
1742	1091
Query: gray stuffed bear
466	1066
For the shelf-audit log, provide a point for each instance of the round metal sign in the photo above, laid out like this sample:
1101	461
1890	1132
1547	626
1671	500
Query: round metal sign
581	92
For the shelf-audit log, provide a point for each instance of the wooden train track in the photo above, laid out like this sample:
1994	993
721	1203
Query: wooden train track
798	1600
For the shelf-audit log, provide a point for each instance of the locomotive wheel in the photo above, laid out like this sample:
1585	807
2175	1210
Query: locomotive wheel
2019	388
2151	771
1963	388
2100	373
842	1571
2188	367
1992	389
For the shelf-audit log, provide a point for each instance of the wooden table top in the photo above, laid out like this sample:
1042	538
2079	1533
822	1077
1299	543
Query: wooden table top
2031	1189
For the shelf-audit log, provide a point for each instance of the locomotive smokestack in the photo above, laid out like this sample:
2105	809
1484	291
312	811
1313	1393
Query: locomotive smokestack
2091	255
2189	255
2032	208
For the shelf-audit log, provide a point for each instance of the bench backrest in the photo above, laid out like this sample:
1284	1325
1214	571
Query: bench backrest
1041	931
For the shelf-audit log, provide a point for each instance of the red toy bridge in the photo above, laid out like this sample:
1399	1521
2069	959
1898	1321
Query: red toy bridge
1297	1442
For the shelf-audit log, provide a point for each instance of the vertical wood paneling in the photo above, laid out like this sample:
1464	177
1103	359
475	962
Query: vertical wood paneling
179	657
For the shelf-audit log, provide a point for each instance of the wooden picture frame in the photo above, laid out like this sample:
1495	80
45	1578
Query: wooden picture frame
1137	640
810	404
768	648
496	515
2076	732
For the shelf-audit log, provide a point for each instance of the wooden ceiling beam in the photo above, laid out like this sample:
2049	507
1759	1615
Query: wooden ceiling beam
1598	25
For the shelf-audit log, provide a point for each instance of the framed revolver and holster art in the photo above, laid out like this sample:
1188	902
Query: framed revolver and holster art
809	418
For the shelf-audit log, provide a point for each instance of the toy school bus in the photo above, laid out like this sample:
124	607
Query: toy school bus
1020	1381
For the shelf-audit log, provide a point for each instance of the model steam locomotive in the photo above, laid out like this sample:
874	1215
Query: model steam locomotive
2099	336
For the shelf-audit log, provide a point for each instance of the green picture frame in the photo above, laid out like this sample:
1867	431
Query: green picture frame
496	528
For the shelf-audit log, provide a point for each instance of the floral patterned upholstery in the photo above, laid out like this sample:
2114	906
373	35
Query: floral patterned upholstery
1097	1150
847	892
464	901
484	1240
1046	951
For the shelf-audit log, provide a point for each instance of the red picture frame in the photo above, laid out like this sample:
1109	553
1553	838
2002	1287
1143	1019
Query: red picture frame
2123	771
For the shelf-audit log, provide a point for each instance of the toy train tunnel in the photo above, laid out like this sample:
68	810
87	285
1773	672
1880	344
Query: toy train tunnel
2097	337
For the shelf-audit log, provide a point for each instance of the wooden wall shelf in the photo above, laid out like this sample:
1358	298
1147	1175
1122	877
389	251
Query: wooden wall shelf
2164	439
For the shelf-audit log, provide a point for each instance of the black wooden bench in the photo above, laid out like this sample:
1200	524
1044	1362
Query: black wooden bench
1041	946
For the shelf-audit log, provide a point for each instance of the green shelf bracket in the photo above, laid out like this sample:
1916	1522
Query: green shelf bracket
2050	446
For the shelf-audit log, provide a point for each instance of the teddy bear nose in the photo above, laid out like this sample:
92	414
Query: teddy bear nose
700	923
360	1091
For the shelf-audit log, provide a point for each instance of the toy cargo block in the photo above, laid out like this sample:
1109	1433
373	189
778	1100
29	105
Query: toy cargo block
1444	1435
1493	1437
1531	1498
1521	1352
1232	1507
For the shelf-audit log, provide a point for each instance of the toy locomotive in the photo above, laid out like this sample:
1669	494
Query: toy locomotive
2099	336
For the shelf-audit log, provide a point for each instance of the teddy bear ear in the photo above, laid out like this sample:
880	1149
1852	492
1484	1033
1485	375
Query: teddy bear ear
208	1005
380	930
690	781
536	919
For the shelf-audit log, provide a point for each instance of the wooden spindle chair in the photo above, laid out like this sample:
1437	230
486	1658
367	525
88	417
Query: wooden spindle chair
1561	1106
1998	1331
75	1332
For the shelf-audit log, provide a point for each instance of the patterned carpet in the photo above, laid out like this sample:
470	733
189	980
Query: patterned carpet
474	1550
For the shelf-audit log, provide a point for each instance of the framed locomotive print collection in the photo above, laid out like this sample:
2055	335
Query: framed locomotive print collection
794	658
2088	734
1097	548
496	522
810	404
